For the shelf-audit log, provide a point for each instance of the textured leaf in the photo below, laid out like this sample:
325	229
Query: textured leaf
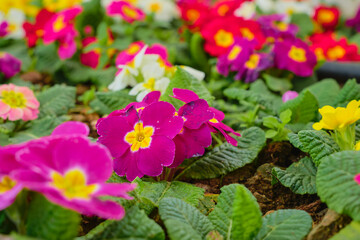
226	158
106	102
47	58
49	221
350	232
318	144
179	230
325	91
335	183
289	224
277	84
300	177
173	208
185	80
350	91
134	226
237	214
56	100
246	215
295	141
304	108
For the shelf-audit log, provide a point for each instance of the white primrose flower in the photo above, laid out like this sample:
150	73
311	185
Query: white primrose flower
290	7
142	89
246	10
163	10
15	19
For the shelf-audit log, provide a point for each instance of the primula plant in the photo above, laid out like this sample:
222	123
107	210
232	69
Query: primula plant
179	119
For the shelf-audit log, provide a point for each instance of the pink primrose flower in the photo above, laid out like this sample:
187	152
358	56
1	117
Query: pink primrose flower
126	10
9	65
18	103
289	95
141	141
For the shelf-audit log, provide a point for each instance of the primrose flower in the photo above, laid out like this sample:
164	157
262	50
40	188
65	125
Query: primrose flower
338	118
9	187
274	27
72	172
18	103
327	17
163	10
251	30
142	89
357	179
194	13
9	65
295	56
247	10
24	6
91	58
215	123
59	5
251	68
225	8
355	21
289	95
126	10
13	21
141	142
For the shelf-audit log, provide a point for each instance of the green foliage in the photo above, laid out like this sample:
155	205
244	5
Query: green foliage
56	101
289	224
18	49
304	22
197	52
325	91
134	226
336	185
175	209
317	143
49	221
350	91
47	59
278	131
185	80
350	232
180	230
106	102
226	158
300	177
277	84
304	108
237	214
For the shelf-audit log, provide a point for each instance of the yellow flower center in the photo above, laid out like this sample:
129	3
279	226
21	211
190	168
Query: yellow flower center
192	15
253	61
6	184
223	9
73	184
234	53
59	23
246	33
150	84
134	48
297	54
11	27
140	137
336	52
223	38
2	54
155	7
282	26
319	52
13	99
213	120
325	16
39	32
131	13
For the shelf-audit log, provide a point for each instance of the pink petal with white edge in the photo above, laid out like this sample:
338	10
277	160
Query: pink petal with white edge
72	127
32	103
15	114
4	108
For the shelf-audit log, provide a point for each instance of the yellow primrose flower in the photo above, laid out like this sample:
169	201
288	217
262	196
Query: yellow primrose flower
23	5
338	118
357	146
57	5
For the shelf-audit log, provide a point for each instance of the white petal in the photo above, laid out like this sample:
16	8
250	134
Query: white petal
135	90
162	84
199	75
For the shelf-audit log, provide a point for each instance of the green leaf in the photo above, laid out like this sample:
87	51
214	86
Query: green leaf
285	116
47	58
134	226
227	158
173	208
325	91
300	177
304	22
277	84
271	122
49	221
350	232
295	141
107	102
289	224
180	230
7	127
336	185
350	91
318	144
19	49
76	72
304	108
39	128
197	52
185	80
237	214
246	215
271	133
56	100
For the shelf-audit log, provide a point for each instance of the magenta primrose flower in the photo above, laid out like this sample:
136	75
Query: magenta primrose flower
295	56
9	65
289	95
67	169
357	179
275	27
18	103
141	141
126	10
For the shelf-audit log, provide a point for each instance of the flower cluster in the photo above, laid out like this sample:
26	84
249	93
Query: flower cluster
145	137
9	65
18	103
146	69
129	11
327	18
66	168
